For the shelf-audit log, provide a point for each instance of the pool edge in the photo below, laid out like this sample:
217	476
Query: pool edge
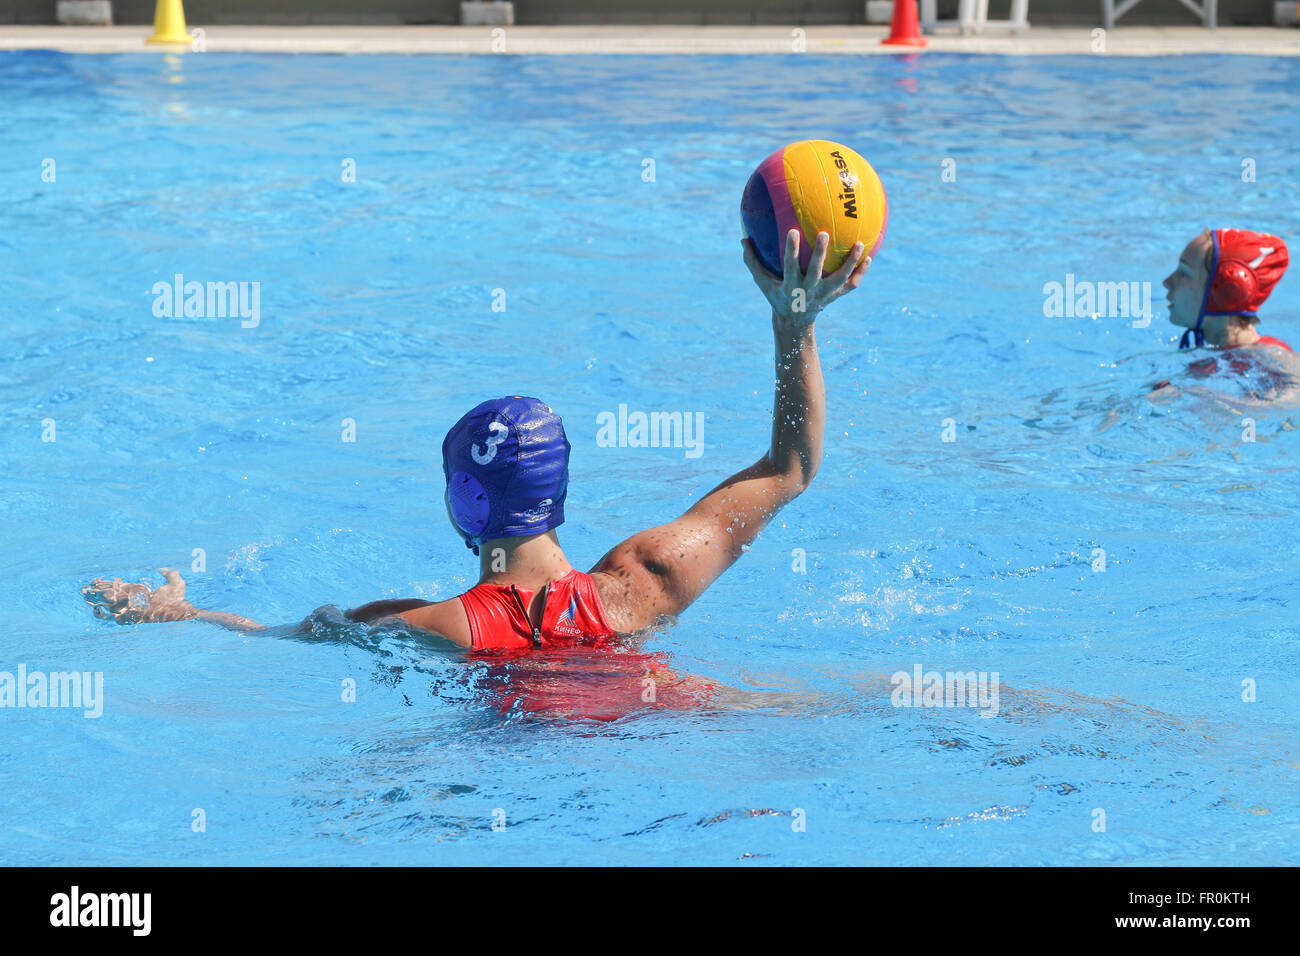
658	40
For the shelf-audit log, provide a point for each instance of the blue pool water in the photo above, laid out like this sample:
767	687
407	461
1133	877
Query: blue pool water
1122	689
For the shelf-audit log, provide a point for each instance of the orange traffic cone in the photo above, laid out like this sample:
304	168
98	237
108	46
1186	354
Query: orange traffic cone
904	25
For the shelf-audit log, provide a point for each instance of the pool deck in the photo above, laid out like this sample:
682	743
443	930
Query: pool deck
1122	41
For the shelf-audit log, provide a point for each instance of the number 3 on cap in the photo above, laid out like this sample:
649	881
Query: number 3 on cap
483	458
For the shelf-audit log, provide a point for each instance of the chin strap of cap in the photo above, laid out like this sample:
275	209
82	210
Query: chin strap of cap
1200	336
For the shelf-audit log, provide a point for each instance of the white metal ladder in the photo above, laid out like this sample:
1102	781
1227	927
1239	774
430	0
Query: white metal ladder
973	16
1207	10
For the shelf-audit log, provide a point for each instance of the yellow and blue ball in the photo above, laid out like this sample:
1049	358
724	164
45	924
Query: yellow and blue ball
814	186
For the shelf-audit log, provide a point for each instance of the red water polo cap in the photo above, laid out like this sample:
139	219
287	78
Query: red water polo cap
1247	266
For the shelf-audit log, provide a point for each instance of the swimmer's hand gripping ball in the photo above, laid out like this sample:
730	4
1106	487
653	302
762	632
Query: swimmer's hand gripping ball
814	186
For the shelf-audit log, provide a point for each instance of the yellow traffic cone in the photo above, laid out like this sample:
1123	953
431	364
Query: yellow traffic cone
169	23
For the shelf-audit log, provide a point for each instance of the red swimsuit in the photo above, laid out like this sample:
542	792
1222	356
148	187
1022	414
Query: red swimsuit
1236	358
1269	340
498	616
584	674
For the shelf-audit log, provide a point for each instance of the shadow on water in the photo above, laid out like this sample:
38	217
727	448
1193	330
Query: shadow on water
585	684
588	687
527	703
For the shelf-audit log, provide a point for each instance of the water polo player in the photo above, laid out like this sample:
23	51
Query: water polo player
506	464
1222	278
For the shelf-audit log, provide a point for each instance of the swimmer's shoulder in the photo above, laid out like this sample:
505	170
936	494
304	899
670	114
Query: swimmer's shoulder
445	619
614	590
1270	341
627	579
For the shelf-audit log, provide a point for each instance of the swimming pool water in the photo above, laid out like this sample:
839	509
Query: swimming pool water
523	183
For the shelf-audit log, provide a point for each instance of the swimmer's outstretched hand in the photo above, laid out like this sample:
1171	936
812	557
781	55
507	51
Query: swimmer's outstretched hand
136	602
797	297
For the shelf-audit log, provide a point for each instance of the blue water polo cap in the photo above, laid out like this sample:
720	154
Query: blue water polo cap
507	468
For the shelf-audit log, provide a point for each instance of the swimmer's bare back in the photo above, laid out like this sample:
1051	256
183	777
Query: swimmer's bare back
1270	358
659	572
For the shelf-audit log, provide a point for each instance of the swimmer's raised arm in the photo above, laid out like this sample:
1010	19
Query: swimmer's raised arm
663	570
130	602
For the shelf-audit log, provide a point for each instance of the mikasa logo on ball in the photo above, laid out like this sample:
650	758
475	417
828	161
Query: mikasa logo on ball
814	186
847	181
